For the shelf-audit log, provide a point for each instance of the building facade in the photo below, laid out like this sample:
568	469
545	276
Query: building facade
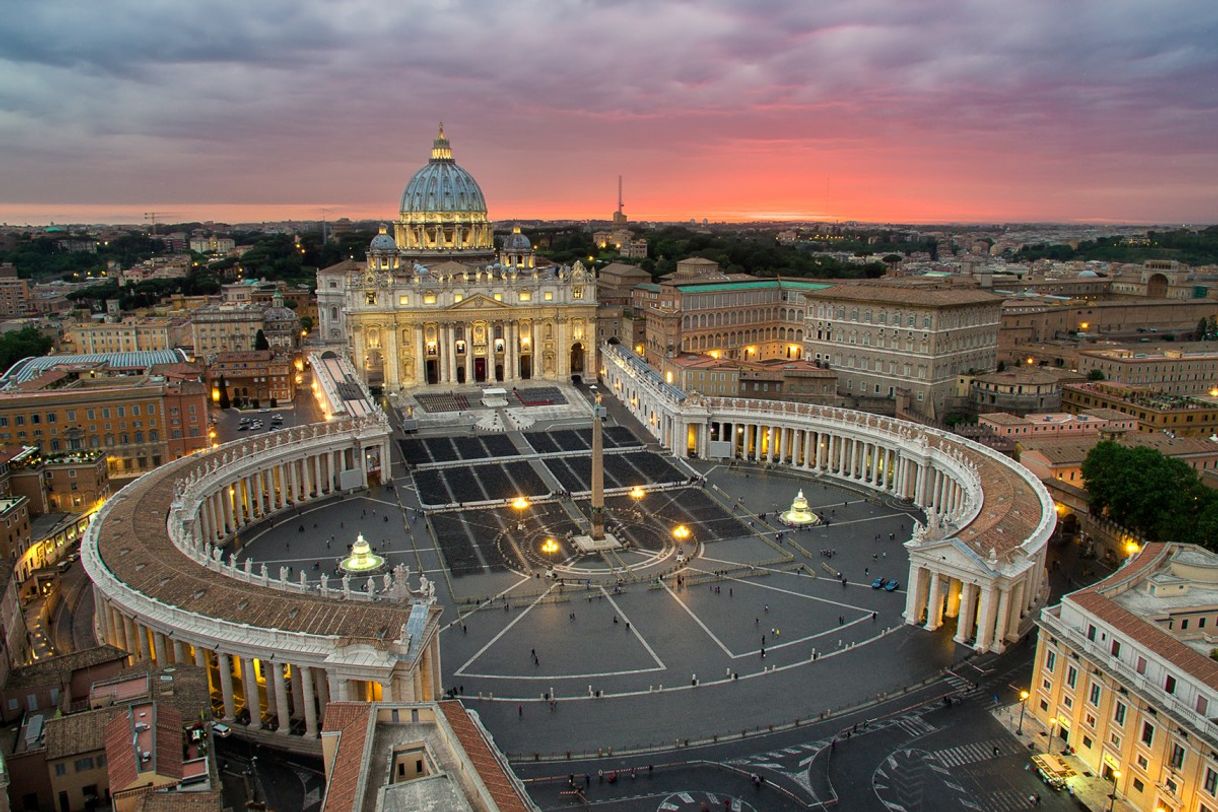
884	337
1184	371
1154	411
747	319
128	335
1123	676
433	304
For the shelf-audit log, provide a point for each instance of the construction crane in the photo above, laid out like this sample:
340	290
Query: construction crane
152	216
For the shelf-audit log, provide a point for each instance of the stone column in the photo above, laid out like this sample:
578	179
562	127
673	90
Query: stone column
934	606
177	650
310	710
1002	619
1016	613
225	666
420	358
282	711
964	619
915	599
249	687
985	619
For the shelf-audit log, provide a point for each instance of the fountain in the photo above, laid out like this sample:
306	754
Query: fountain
361	559
799	515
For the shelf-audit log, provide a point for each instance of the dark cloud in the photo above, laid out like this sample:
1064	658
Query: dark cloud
291	100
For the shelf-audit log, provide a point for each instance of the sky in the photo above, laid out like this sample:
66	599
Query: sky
1090	111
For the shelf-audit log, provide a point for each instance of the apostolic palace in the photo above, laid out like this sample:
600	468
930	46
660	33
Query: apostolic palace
435	304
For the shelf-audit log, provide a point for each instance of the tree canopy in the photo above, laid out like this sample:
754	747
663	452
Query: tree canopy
1155	496
1185	245
21	343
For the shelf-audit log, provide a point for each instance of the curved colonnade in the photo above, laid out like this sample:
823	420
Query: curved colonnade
278	648
980	557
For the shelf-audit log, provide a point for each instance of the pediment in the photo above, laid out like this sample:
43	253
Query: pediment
477	302
953	554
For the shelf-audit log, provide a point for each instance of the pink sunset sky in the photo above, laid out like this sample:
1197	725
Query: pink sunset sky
879	110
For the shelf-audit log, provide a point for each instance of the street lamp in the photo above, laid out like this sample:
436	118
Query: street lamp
549	546
1023	704
681	533
1113	776
637	493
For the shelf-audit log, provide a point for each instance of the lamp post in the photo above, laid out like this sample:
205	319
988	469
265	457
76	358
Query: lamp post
1023	704
1113	776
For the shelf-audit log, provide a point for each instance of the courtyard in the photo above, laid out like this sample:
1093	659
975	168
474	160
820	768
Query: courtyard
735	623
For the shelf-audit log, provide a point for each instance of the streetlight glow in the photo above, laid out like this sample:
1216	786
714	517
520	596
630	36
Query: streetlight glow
681	533
520	503
549	546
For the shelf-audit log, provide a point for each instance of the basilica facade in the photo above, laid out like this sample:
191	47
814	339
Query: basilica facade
436	303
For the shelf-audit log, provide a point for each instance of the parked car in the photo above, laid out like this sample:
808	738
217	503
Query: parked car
221	730
878	583
892	586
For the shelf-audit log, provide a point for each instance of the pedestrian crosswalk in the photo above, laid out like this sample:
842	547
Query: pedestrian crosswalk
962	687
977	751
1003	800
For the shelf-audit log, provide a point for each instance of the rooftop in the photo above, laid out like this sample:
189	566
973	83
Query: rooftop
1161	580
78	733
907	294
31	367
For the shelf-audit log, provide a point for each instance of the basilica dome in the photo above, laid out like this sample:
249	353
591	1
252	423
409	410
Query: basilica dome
442	186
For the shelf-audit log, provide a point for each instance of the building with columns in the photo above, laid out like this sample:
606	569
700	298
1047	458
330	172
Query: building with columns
435	304
978	561
167	589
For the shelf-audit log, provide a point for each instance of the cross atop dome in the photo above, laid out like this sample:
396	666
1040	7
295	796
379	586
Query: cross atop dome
440	149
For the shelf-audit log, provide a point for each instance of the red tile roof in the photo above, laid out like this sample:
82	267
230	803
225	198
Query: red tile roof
350	721
1095	599
489	766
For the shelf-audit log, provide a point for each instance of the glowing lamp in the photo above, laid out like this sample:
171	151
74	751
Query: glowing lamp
637	493
549	546
1131	547
520	503
681	533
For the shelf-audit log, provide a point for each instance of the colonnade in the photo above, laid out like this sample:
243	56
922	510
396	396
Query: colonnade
879	464
291	693
981	557
275	485
988	611
274	649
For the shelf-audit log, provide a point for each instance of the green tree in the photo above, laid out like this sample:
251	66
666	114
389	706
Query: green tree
1095	375
22	343
1157	497
260	342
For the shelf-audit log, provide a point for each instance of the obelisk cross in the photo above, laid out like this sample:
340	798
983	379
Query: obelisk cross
598	473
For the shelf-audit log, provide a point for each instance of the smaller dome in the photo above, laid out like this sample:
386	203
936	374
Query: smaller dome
1088	274
516	241
382	241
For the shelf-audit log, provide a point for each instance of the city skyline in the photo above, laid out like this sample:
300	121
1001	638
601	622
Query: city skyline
876	112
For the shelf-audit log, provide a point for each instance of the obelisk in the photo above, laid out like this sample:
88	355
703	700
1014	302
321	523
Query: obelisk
598	473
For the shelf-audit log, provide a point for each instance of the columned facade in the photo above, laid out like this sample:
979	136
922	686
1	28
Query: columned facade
266	676
978	561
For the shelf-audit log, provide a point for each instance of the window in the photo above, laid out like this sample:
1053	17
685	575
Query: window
1141	666
1094	696
526	296
1116	648
1091	633
83	764
1176	760
548	296
1138	785
403	300
1071	676
1211	781
61	769
1148	733
1169	684
429	298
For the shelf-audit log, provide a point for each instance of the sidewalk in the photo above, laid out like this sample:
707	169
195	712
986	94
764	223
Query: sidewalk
1090	790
